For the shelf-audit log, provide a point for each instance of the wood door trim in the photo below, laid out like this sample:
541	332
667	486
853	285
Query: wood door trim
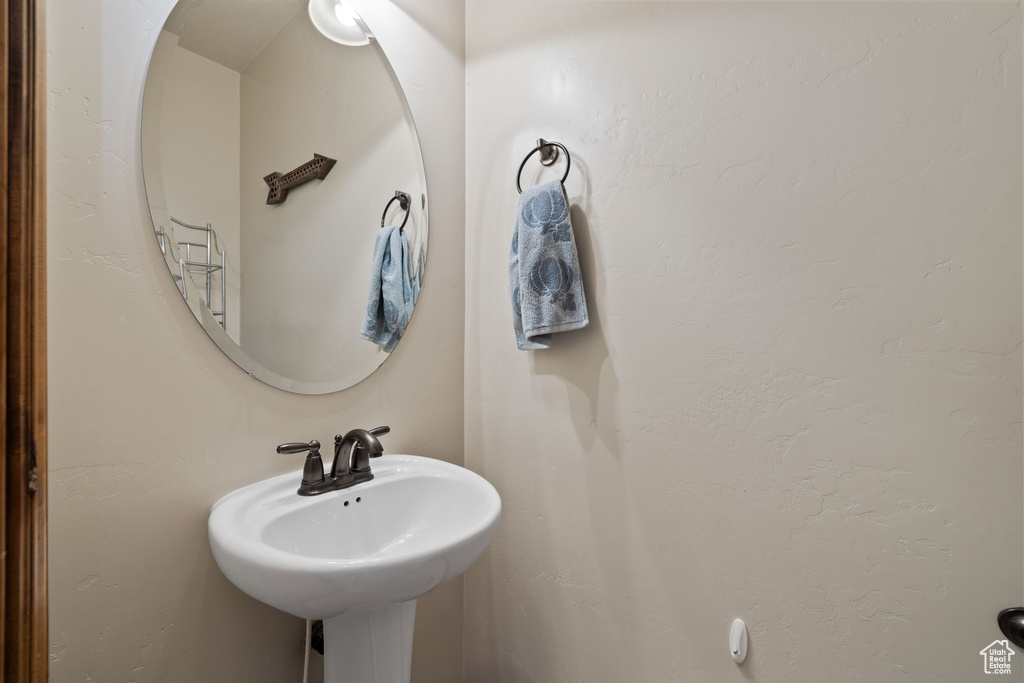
23	589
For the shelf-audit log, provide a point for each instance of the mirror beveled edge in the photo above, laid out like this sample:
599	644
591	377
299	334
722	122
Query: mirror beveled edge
158	212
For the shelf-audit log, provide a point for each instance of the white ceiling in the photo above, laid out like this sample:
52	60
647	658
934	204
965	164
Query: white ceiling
230	32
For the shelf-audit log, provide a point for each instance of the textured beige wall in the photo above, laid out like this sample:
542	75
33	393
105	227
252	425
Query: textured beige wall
150	424
799	398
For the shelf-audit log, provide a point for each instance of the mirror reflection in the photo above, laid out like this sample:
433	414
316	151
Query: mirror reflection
287	189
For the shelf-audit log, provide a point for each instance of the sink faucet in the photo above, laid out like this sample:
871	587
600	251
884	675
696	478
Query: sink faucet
351	465
354	450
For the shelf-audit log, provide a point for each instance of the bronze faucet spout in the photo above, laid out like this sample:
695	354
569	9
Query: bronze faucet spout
354	450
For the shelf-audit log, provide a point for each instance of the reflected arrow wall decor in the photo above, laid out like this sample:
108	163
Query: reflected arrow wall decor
280	184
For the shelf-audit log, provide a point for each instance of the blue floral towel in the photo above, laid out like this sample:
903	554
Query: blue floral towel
544	270
393	292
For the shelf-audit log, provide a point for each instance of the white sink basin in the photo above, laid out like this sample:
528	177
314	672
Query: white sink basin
368	550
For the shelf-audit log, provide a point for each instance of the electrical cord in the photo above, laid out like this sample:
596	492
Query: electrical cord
309	637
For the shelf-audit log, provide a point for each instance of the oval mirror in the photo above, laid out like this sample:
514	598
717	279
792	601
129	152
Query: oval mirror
286	186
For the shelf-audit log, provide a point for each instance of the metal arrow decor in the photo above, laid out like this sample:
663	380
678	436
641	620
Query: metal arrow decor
281	183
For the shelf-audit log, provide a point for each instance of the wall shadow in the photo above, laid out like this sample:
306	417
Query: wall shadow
582	357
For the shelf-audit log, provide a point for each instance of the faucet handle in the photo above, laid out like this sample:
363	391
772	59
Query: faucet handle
312	470
298	447
379	431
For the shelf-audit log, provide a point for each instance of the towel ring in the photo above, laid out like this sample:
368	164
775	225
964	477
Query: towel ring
404	203
548	157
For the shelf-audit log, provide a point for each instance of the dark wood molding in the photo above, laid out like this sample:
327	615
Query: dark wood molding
23	630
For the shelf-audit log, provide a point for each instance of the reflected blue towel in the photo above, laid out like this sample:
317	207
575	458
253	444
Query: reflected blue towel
393	291
544	269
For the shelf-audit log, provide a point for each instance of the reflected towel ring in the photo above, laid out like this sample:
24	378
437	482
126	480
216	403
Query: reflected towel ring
547	157
404	203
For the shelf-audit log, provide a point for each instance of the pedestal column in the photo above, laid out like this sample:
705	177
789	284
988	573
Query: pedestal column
374	647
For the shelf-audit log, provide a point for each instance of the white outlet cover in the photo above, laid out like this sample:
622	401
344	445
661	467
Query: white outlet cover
738	641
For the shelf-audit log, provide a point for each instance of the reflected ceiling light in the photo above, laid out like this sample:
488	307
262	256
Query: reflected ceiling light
339	22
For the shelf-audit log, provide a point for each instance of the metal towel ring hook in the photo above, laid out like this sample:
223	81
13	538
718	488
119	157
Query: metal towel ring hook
404	203
547	157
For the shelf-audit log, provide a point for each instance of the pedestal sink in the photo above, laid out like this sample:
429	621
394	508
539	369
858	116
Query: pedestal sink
357	558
